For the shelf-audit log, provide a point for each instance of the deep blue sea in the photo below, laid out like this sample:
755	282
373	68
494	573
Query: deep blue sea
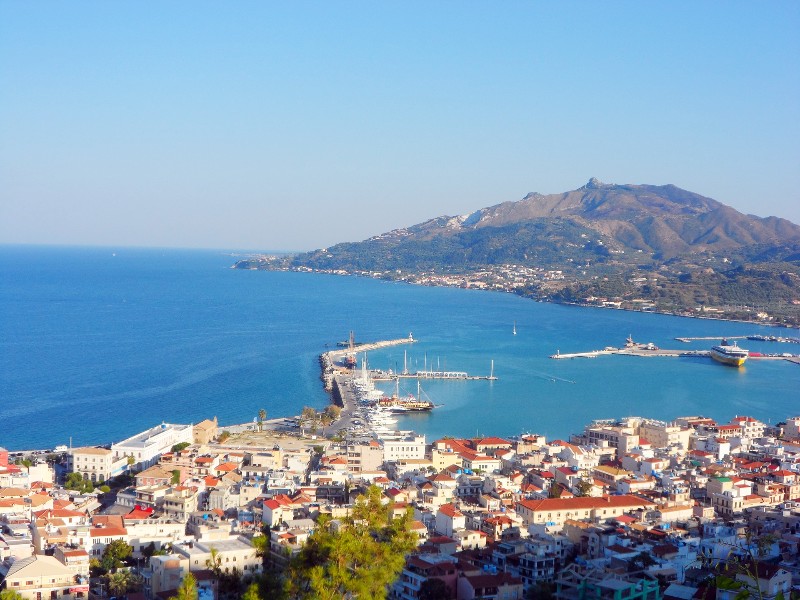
100	343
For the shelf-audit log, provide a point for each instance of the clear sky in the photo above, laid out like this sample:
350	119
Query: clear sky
293	125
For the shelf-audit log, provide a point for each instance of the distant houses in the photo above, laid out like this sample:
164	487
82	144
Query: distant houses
648	509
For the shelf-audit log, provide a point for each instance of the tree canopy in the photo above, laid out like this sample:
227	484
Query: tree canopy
115	554
187	589
360	555
76	482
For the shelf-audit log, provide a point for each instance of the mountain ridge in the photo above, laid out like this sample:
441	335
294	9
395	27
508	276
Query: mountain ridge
600	239
663	219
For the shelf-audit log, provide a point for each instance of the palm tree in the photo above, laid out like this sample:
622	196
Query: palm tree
307	415
325	419
262	416
214	562
119	582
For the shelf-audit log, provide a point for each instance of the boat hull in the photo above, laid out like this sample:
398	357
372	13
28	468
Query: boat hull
727	359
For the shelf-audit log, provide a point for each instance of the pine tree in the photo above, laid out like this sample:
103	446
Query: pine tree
187	589
359	558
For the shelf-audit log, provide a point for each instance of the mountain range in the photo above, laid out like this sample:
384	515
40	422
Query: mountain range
600	236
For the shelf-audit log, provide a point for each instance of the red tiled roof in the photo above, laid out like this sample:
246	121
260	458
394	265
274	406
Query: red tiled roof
107	531
450	510
492	441
585	503
139	513
57	513
625	519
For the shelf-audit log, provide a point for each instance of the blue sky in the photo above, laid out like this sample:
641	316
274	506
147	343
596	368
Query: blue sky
298	125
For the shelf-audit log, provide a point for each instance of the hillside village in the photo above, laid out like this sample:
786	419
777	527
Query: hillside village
631	508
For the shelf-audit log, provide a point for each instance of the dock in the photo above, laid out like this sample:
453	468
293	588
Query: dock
332	364
590	354
647	351
371	346
454	375
686	340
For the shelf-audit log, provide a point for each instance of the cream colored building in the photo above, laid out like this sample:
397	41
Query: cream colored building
94	464
233	552
44	577
205	431
441	459
555	511
620	435
664	435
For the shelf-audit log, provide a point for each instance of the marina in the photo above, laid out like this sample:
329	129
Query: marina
255	353
367	410
463	375
717	352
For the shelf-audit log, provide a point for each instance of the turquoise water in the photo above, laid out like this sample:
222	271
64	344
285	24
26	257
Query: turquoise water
100	343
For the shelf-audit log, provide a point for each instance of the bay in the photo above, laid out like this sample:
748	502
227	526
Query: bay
100	343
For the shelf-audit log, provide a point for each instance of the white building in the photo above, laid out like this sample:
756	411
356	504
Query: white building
404	447
146	447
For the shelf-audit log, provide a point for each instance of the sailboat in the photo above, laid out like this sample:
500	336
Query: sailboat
515	328
396	404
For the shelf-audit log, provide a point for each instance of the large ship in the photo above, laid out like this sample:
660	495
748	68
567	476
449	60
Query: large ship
398	404
729	354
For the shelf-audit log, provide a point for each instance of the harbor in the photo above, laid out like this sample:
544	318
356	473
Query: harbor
632	348
366	410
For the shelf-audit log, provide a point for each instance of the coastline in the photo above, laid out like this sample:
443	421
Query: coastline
764	323
248	359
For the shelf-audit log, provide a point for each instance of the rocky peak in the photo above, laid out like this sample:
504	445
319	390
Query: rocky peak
594	184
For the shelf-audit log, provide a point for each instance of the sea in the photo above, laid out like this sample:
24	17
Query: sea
98	344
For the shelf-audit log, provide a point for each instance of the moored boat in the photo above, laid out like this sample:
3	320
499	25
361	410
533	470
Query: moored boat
397	404
730	355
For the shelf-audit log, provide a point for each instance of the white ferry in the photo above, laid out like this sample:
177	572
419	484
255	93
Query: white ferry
729	355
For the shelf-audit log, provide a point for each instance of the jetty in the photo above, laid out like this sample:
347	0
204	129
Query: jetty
355	348
334	362
590	354
687	340
462	375
647	350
